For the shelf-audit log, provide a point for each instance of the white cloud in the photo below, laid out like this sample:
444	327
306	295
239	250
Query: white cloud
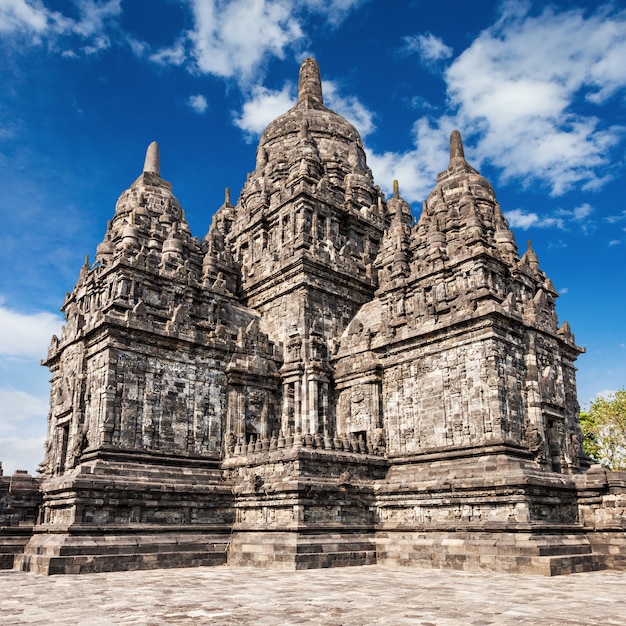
614	242
172	55
428	47
22	430
95	15
18	453
515	93
349	107
613	219
37	22
18	16
263	106
234	38
517	218
198	103
518	85
415	170
335	11
26	334
583	211
18	409
559	218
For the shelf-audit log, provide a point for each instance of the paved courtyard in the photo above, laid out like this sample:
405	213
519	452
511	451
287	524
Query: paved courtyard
344	596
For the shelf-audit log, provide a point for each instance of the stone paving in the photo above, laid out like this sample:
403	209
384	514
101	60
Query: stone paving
354	596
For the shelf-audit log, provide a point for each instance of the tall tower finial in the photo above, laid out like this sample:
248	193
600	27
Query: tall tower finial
152	163
310	82
456	146
396	189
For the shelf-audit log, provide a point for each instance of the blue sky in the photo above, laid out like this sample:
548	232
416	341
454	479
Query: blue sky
537	90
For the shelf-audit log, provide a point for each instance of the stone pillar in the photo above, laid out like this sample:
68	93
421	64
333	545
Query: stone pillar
313	409
297	409
323	392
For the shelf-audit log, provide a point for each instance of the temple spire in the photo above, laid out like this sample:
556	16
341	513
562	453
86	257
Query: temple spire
310	82
456	146
152	163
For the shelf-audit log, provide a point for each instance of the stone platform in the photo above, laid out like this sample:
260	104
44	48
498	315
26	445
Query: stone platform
348	596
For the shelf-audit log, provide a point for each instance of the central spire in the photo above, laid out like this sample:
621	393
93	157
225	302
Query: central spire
153	161
310	82
456	146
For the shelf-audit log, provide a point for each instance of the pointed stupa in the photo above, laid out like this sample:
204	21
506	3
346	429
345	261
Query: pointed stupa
399	209
530	259
310	130
152	164
310	84
456	147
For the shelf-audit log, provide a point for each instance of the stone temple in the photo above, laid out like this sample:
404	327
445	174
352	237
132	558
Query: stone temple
321	381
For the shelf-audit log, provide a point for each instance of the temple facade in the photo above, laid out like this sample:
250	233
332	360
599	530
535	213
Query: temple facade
323	380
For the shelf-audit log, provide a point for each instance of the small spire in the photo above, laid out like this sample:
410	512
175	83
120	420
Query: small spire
305	135
396	189
353	156
456	146
152	163
310	82
227	196
531	258
261	157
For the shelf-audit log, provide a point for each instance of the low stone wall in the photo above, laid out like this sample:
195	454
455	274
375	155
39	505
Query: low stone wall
20	499
602	505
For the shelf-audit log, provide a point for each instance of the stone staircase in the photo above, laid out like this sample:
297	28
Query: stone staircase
296	551
108	553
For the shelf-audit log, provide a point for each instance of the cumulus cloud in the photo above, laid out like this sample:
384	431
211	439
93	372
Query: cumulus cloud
519	85
26	334
198	103
565	219
17	16
22	430
24	339
521	95
349	107
415	170
234	38
518	218
428	47
37	22
17	410
263	106
583	211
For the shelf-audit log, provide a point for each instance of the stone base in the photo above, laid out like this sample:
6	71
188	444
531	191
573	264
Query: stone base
71	554
296	551
122	514
611	545
512	552
12	542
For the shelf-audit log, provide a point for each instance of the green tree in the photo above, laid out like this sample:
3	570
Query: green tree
604	430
